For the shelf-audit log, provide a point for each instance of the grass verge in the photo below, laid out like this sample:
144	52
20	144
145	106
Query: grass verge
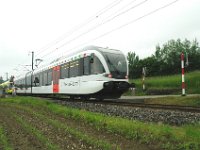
4	140
169	137
176	100
192	81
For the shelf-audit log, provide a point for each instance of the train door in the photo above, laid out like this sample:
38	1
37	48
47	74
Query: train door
56	77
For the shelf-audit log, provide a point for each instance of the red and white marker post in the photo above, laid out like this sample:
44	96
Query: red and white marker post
143	78
183	76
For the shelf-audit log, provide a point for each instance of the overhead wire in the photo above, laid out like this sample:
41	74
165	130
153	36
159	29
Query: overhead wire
80	26
137	19
126	24
100	24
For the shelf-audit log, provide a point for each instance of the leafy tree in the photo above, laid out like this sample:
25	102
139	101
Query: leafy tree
133	60
166	59
168	56
194	56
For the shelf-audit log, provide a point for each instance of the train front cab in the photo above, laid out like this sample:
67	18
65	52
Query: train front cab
116	75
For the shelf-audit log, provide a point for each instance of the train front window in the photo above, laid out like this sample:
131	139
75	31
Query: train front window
116	64
96	66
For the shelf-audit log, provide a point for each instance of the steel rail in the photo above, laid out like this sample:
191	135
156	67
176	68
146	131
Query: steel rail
128	103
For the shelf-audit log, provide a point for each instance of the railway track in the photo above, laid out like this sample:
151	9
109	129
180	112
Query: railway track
135	110
129	103
166	107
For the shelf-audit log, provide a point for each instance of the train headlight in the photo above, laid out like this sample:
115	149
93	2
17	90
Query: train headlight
108	75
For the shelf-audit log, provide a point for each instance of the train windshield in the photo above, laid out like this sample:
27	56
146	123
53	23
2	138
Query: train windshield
117	64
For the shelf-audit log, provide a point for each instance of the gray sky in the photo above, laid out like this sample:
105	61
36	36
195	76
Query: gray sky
53	28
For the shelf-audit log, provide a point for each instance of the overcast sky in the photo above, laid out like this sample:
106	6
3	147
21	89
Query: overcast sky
53	28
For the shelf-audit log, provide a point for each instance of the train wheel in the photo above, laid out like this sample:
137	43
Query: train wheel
85	98
100	98
72	97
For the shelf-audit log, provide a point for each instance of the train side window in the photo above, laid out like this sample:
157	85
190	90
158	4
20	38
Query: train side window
86	66
64	71
96	66
16	83
41	79
45	78
28	81
36	81
19	84
74	68
80	67
22	83
49	77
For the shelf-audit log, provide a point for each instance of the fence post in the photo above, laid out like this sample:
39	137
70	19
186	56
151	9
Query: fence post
183	76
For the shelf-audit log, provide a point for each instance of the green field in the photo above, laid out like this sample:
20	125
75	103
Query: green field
168	84
51	126
192	100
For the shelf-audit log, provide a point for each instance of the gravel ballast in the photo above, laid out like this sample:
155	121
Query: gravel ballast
142	114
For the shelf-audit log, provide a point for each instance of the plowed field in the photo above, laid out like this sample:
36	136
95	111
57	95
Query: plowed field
29	127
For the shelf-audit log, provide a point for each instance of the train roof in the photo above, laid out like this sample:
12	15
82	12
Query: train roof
91	47
101	49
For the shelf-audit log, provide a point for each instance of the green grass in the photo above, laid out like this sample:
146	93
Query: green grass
176	100
192	80
79	135
4	140
170	137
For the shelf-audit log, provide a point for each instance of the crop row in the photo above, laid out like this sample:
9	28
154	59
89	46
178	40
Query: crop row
165	136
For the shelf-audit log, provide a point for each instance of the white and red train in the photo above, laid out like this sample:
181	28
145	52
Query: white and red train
92	72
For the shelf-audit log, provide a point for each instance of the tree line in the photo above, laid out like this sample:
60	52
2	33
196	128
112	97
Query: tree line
166	60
